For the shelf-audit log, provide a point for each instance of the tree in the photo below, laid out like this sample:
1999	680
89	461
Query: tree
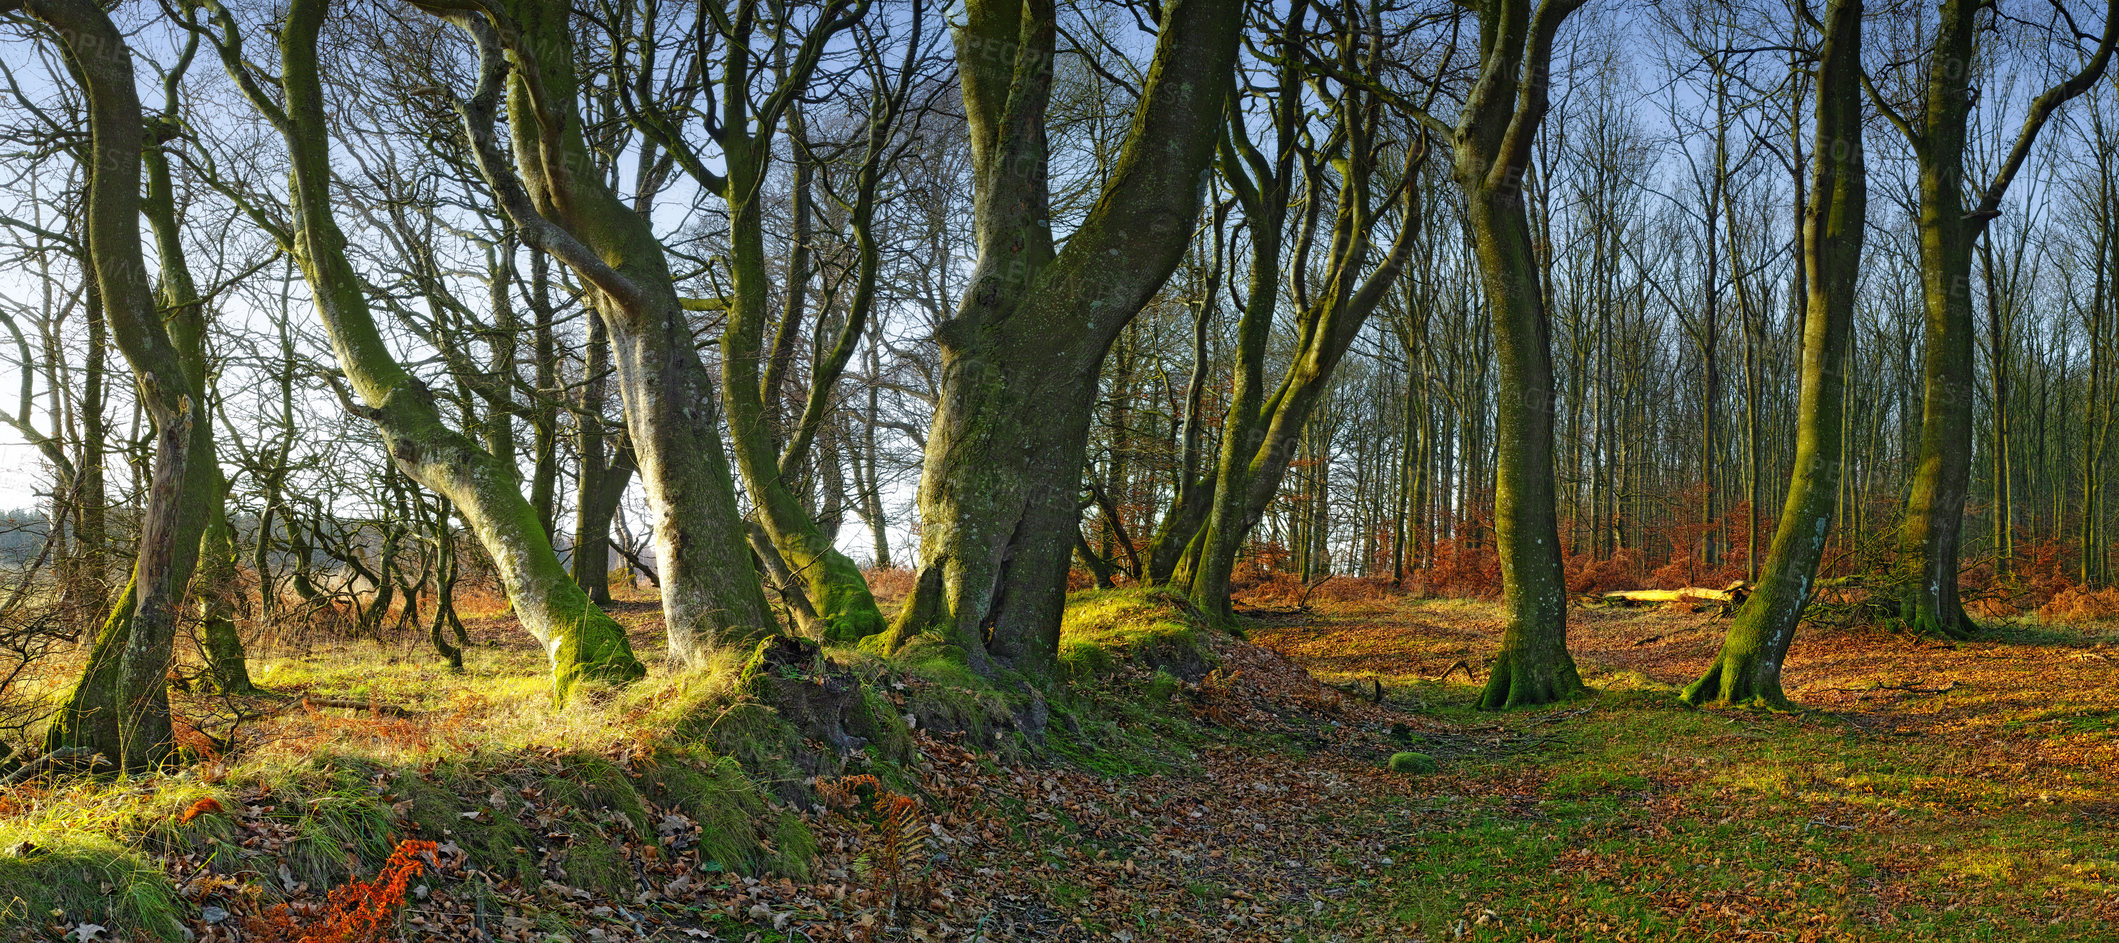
1491	147
1931	534
1261	429
1006	448
1748	670
120	707
759	92
580	640
556	194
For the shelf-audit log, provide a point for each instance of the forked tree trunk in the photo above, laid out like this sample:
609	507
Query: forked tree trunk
837	592
555	192
1748	670
1932	531
120	707
998	514
602	482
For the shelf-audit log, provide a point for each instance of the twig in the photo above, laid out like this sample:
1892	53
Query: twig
1461	663
347	703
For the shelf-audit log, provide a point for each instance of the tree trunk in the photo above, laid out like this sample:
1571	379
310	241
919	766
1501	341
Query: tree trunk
711	594
1748	670
120	707
1020	357
1491	145
579	640
838	593
1934	520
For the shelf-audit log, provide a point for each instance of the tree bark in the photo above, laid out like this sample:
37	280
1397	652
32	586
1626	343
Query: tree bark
1020	357
1748	670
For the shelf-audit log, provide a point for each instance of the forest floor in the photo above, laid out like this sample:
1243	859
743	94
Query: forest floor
1924	792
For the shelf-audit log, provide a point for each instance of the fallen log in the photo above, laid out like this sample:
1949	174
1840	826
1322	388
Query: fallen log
1728	597
63	758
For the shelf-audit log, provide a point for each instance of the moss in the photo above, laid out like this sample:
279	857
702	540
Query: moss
1414	764
890	738
843	599
592	645
1155	628
936	659
794	848
768	747
597	783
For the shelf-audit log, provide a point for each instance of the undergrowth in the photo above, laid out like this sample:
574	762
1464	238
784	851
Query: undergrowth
483	764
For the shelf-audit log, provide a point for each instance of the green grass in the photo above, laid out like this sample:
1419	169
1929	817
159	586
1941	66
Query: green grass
1657	822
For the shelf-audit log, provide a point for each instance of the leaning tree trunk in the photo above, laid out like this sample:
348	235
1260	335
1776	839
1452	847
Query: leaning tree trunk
837	593
580	641
1748	670
1492	143
1020	356
120	707
1260	438
555	193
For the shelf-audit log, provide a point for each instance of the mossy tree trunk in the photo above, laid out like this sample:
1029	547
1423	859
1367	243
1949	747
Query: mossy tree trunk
214	581
216	585
1262	430
1748	670
556	193
1491	144
1172	541
1932	532
1020	356
120	707
580	641
838	594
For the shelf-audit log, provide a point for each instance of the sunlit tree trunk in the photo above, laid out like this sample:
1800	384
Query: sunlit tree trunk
580	641
1748	670
1261	429
120	707
1932	531
1491	144
557	196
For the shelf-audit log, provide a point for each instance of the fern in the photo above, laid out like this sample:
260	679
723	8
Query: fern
354	912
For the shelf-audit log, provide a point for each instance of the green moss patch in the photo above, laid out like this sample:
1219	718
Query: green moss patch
1152	628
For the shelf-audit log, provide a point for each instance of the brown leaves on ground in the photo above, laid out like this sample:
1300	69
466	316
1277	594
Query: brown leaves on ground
1933	791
